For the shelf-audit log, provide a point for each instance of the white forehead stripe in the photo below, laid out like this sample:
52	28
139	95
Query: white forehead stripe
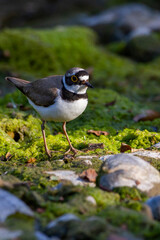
74	71
84	78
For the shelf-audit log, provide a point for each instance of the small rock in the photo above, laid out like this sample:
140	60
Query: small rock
41	236
157	145
64	222
70	176
86	157
9	235
127	170
59	161
124	22
154	204
127	236
87	162
57	187
64	218
105	157
144	48
10	204
147	153
91	200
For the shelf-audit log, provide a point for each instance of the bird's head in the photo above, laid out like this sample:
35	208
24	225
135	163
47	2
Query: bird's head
76	80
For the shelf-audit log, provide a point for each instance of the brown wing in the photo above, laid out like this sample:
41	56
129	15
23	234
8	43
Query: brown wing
42	92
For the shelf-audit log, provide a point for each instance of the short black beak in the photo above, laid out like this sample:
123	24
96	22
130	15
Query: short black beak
88	85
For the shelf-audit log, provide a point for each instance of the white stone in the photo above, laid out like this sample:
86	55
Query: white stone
87	162
70	176
105	157
147	153
157	145
10	204
64	218
128	170
86	157
91	200
154	204
138	18
42	236
6	234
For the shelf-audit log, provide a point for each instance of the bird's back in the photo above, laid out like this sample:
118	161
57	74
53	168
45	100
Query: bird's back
42	92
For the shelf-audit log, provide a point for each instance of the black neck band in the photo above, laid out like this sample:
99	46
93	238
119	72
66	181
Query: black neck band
70	96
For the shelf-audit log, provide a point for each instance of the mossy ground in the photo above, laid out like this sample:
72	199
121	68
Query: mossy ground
37	53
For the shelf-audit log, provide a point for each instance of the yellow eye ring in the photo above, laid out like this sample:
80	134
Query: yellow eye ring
74	78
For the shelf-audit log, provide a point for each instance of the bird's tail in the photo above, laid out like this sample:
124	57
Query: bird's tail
19	83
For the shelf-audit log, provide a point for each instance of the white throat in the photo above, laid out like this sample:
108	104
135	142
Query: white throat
79	89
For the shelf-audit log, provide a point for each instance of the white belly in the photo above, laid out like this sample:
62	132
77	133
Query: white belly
61	110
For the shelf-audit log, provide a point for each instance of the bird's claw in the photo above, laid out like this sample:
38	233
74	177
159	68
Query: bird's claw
72	149
49	152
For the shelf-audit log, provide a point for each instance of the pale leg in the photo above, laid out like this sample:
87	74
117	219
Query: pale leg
74	150
44	138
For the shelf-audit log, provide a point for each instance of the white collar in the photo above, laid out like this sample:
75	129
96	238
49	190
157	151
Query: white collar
75	88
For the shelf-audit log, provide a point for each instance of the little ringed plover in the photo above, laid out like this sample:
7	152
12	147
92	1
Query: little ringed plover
57	98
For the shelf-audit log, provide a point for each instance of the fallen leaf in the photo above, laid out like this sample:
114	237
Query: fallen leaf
98	133
20	106
40	210
24	108
116	237
6	53
110	103
137	182
93	146
11	105
11	134
125	147
31	160
148	115
8	156
89	174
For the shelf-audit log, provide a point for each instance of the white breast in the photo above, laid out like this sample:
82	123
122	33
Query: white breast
61	110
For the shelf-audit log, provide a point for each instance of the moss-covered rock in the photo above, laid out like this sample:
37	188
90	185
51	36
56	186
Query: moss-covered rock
143	48
35	54
45	52
134	221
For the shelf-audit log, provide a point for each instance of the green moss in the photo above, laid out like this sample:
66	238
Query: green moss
131	197
24	223
134	221
25	129
130	193
137	138
45	52
72	199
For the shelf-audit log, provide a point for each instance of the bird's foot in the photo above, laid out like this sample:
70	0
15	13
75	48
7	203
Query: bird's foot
50	152
72	149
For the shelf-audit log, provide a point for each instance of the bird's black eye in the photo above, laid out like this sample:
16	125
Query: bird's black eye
74	78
